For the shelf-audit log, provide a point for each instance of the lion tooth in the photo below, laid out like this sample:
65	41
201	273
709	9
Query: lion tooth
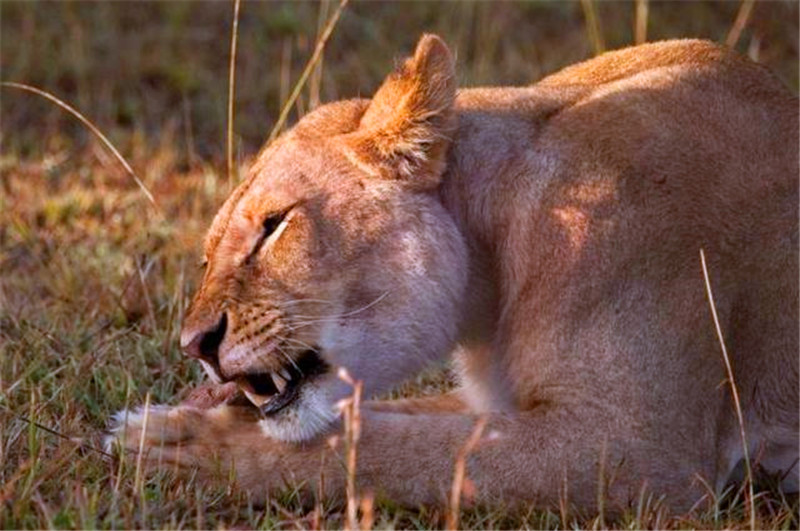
211	372
286	374
280	382
257	400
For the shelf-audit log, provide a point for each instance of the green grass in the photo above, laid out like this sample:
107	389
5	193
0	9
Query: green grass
93	285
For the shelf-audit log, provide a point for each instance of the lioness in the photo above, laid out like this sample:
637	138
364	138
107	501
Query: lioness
546	236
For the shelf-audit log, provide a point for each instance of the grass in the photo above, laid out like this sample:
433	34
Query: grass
94	283
232	90
734	393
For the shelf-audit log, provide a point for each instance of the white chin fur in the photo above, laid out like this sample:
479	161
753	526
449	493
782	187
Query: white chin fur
303	420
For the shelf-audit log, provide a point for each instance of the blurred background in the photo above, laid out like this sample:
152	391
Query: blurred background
156	69
94	280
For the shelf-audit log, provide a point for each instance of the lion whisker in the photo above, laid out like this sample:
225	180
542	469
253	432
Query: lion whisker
289	358
347	314
298	301
300	343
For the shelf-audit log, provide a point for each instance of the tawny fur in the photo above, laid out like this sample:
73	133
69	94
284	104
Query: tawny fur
549	237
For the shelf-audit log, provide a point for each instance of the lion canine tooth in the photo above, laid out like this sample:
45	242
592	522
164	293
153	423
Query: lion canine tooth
257	400
286	374
211	372
280	382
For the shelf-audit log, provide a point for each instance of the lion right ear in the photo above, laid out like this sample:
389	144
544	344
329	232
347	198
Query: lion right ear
406	130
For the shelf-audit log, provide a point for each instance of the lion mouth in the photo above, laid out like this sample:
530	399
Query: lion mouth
273	391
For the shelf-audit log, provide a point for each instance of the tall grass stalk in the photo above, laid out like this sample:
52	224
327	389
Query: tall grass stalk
232	91
137	481
459	474
315	83
315	57
640	31
593	26
93	128
742	17
734	391
351	410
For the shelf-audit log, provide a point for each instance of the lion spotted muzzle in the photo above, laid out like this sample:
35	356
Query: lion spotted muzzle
269	391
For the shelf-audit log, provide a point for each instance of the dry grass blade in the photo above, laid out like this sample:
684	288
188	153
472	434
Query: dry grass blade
351	409
742	17
85	121
593	26
641	21
315	57
734	391
232	89
137	481
459	475
315	83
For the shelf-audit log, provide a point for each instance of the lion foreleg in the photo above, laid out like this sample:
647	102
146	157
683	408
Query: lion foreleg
547	457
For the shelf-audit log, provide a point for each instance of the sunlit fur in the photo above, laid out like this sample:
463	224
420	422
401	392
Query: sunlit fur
549	236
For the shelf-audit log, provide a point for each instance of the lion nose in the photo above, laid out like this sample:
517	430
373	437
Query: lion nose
204	345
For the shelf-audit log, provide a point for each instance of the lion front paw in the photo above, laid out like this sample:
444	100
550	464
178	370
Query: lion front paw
161	433
214	444
182	435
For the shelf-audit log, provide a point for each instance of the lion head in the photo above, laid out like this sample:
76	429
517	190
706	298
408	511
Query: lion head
336	251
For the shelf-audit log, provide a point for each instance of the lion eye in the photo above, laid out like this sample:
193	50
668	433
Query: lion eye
271	223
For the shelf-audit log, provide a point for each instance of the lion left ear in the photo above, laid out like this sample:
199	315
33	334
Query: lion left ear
405	132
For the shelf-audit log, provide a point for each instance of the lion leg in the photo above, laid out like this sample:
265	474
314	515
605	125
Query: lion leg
544	457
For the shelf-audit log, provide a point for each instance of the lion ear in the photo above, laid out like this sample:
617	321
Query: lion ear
405	132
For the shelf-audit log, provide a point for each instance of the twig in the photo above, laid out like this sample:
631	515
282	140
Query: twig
51	431
85	121
232	89
459	475
320	47
734	391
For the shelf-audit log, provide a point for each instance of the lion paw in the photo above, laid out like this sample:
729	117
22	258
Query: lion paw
154	427
182	435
